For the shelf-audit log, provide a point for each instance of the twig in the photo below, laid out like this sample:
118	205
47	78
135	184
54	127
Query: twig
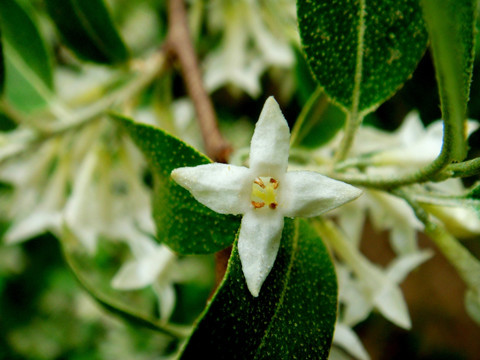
179	44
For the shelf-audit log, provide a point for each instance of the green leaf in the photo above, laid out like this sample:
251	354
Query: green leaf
305	82
318	122
28	64
119	303
184	224
293	317
451	25
474	193
87	28
2	66
361	51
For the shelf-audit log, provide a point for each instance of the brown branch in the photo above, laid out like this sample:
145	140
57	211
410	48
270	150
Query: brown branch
179	45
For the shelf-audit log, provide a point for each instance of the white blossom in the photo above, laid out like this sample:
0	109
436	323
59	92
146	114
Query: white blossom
154	265
345	338
264	194
410	147
249	45
82	181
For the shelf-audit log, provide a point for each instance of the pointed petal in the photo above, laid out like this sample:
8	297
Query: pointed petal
258	245
136	274
34	224
307	193
270	142
223	188
356	304
400	267
348	340
166	299
142	246
391	303
145	270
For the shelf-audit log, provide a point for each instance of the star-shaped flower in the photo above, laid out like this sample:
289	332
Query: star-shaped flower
265	193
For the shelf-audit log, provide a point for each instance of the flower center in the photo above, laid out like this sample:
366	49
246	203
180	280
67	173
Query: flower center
264	192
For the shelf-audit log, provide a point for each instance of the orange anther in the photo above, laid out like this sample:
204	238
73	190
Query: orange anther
258	205
260	183
274	183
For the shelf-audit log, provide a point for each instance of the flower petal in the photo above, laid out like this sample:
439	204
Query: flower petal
223	188
166	299
258	245
390	302
348	340
270	142
144	270
307	193
135	274
401	266
34	224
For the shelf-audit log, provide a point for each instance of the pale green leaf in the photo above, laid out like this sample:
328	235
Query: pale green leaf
28	65
184	224
293	317
361	51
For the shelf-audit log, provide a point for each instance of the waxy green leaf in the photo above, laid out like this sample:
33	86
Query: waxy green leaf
184	224
2	66
28	64
293	317
318	123
451	25
361	51
86	27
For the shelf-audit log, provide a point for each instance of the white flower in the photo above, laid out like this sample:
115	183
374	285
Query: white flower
153	265
265	193
81	182
108	197
410	147
373	288
157	266
346	338
249	45
37	201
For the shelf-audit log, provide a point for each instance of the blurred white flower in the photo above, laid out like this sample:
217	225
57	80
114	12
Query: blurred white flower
249	44
154	265
157	266
89	180
345	338
40	185
461	221
410	147
363	286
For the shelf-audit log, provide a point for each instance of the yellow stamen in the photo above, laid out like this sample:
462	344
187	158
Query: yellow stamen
264	192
